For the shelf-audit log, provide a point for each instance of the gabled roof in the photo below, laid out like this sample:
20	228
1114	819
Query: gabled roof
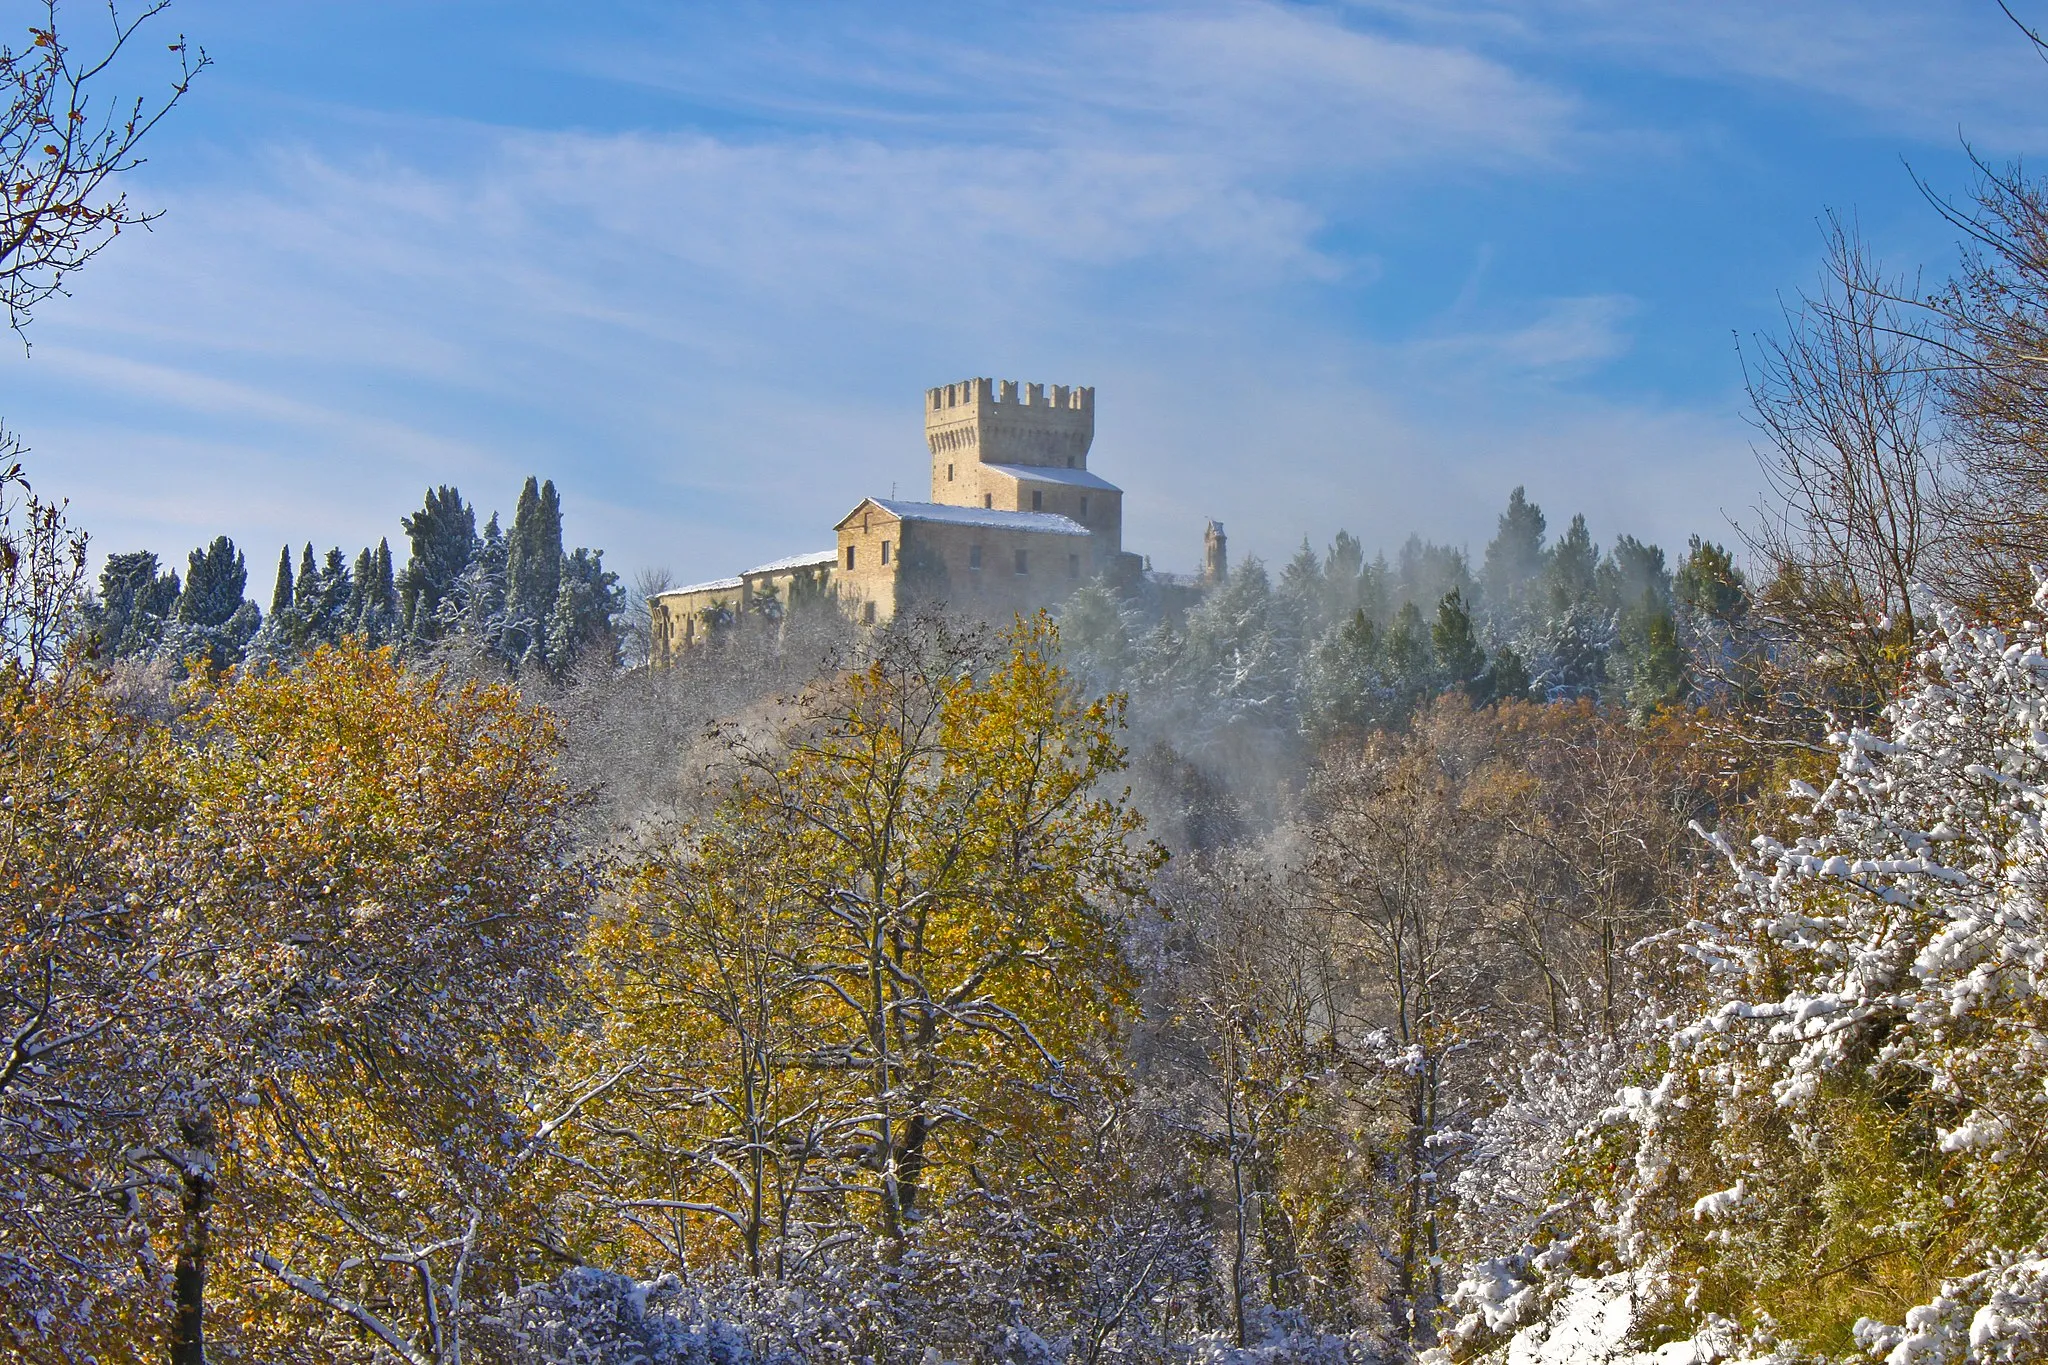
1045	523
1073	478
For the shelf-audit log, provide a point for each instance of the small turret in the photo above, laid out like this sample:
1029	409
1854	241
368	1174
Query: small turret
1215	555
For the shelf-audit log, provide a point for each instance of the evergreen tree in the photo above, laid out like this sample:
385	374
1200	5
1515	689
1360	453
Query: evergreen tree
1459	659
584	625
1708	583
1573	570
357	610
1514	563
1343	679
281	595
214	619
1506	678
1409	664
135	601
1630	570
1425	571
1344	570
533	569
215	580
476	606
1095	638
444	540
379	623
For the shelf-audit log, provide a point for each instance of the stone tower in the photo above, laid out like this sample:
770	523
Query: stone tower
1000	422
1215	555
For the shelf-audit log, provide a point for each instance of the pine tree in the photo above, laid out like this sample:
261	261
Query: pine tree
1514	562
1459	659
1408	654
1573	571
281	595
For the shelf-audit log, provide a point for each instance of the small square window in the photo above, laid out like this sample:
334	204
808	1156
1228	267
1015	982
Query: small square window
988	500
974	558
1073	566
1023	564
885	552
1037	502
849	558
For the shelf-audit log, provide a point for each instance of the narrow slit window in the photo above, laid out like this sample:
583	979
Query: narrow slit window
1084	504
974	558
885	552
1023	563
849	558
1073	566
988	500
949	473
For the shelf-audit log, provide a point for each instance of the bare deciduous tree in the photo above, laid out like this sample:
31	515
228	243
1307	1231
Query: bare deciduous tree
1846	399
63	141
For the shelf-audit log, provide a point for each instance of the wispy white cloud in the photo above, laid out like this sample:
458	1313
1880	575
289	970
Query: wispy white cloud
715	340
1927	71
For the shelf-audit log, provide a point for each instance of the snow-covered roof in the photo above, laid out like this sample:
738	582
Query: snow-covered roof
1049	523
817	559
1074	478
715	585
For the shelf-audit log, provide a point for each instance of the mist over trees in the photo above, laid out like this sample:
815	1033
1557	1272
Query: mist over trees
1580	952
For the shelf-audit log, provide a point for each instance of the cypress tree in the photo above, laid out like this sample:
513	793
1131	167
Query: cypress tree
533	554
281	595
444	540
357	614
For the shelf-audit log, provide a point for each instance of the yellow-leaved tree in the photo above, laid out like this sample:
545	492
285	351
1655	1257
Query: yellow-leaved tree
380	866
889	968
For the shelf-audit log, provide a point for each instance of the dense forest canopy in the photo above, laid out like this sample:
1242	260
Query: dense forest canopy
1571	952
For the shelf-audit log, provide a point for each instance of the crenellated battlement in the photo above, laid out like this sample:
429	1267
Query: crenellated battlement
989	421
974	393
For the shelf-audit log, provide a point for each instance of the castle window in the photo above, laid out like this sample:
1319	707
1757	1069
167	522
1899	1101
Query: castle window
1084	504
1023	565
1073	566
949	473
974	558
867	613
1070	462
885	552
1037	501
988	500
849	559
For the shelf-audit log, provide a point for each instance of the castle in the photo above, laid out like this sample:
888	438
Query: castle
1016	521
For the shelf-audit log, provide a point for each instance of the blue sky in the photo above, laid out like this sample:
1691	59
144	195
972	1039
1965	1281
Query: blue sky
1360	265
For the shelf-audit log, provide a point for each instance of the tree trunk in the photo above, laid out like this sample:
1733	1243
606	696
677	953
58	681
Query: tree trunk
188	1277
